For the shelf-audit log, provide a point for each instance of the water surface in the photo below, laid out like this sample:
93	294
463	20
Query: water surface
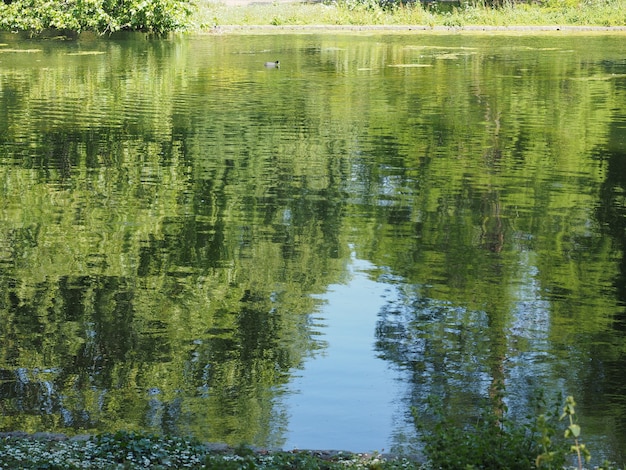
191	243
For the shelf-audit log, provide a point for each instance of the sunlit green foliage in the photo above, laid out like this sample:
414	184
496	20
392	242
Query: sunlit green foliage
104	16
160	16
208	14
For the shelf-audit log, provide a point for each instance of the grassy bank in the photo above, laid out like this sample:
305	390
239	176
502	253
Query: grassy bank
602	13
163	16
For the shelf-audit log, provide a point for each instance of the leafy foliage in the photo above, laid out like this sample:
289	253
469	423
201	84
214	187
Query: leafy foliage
130	450
147	450
498	441
103	16
161	16
494	441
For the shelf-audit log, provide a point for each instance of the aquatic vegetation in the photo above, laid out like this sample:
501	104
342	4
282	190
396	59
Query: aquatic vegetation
130	450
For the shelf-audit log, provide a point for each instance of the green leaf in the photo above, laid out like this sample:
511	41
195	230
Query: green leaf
574	430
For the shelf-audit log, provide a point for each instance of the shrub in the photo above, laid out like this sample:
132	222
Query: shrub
496	441
102	16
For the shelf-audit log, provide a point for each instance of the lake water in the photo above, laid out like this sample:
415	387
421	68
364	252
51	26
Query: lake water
298	257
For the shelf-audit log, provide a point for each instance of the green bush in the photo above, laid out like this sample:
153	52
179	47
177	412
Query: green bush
496	441
102	16
492	442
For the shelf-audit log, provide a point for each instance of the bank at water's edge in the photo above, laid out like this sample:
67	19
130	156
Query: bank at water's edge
136	450
371	15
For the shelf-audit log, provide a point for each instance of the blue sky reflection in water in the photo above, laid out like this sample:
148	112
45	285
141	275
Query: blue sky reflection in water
191	243
354	407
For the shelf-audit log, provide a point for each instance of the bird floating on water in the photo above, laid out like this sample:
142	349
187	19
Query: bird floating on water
272	65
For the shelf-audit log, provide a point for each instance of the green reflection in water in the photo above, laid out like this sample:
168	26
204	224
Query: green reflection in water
172	209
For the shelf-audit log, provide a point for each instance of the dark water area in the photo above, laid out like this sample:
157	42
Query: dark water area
192	243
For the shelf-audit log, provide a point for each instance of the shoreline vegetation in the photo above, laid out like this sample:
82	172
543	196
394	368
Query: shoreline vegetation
470	29
370	15
71	17
130	450
495	441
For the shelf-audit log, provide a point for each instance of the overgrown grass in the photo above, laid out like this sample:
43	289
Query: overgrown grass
212	13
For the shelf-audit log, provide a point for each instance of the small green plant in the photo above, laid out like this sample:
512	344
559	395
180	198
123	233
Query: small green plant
573	432
553	456
139	448
549	455
452	20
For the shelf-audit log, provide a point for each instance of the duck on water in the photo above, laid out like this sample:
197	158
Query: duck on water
272	65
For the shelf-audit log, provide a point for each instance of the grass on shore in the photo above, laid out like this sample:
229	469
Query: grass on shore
604	13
